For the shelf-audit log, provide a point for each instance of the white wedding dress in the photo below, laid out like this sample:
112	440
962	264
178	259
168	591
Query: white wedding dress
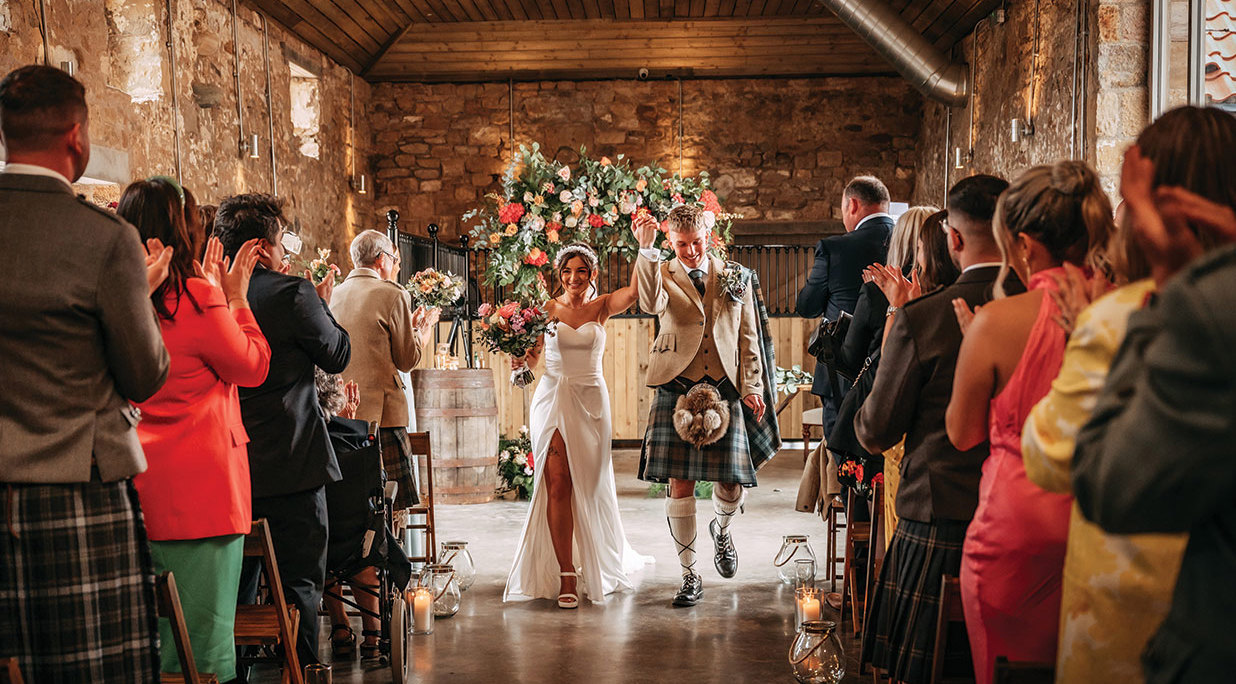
572	399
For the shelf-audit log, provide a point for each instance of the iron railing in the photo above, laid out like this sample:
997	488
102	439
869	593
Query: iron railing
782	271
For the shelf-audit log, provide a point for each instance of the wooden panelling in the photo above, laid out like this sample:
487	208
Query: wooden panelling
479	40
625	366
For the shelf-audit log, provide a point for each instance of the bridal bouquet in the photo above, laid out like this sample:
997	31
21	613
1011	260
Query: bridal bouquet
434	289
512	328
319	268
515	463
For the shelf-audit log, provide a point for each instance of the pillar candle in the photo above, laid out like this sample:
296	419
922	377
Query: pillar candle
422	612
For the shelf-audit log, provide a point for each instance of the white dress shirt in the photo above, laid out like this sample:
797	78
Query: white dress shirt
868	217
653	254
33	170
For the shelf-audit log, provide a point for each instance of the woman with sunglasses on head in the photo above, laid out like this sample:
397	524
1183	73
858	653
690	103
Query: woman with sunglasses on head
195	491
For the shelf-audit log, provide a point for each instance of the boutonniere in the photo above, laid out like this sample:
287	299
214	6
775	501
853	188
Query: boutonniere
734	279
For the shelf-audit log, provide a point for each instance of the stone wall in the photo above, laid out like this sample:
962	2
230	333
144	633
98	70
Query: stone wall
1122	95
118	49
1003	59
779	150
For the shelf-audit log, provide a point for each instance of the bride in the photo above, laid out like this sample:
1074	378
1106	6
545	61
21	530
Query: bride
573	518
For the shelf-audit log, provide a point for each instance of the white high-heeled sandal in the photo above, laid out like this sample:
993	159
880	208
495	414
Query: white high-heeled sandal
568	601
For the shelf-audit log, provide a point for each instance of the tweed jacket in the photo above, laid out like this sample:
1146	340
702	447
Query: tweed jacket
378	317
666	290
78	337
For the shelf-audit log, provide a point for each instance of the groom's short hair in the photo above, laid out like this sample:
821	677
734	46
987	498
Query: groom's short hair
686	219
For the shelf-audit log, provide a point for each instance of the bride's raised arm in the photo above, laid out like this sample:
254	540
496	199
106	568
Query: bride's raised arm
621	299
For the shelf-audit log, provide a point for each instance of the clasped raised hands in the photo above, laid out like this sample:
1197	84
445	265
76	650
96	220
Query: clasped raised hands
644	226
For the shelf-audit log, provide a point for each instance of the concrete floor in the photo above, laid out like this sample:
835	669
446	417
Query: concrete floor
739	633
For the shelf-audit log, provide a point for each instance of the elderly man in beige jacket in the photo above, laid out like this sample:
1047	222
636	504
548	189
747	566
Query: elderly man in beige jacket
708	335
387	337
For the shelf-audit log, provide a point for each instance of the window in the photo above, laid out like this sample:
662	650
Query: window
1193	54
306	109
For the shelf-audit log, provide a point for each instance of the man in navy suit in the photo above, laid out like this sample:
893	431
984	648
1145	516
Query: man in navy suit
837	274
290	455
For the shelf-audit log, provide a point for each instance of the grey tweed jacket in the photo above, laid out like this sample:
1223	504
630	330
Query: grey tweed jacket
78	337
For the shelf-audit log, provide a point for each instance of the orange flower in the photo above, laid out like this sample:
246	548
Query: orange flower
551	235
641	185
511	229
495	238
605	161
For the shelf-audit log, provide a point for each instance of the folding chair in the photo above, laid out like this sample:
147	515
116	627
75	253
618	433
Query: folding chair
950	613
269	624
167	598
1023	673
420	447
10	673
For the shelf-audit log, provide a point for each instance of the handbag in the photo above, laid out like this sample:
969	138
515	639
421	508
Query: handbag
825	346
856	468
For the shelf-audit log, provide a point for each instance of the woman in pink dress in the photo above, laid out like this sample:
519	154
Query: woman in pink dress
1050	219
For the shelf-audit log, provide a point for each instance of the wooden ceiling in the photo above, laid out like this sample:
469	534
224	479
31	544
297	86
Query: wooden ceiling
493	40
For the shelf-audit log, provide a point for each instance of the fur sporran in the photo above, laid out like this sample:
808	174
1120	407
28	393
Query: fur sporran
701	416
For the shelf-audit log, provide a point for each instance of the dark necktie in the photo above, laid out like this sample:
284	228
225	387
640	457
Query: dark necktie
697	278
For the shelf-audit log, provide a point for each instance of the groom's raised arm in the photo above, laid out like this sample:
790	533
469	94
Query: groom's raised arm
652	295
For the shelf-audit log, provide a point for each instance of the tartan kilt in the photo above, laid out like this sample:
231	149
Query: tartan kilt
665	455
899	635
397	462
77	584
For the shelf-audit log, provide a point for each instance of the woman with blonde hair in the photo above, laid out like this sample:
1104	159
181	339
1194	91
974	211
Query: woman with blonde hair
1013	556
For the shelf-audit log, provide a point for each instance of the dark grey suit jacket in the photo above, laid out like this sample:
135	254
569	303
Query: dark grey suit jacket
1159	455
911	393
78	336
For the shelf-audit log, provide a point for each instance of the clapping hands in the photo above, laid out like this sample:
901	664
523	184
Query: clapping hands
351	398
231	276
896	287
424	319
158	263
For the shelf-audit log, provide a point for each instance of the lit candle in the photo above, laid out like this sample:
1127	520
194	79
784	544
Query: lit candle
811	608
422	611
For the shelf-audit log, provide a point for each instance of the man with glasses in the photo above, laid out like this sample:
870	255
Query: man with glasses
290	455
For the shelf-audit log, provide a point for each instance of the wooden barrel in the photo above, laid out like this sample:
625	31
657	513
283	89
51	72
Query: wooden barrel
459	410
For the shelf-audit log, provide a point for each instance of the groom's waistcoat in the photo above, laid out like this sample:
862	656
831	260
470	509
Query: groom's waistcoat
713	335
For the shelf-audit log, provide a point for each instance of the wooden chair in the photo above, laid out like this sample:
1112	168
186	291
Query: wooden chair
950	613
812	418
875	563
1023	673
167	598
834	513
269	624
858	535
421	448
10	673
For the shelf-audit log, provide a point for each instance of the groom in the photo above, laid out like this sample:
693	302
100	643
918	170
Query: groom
708	334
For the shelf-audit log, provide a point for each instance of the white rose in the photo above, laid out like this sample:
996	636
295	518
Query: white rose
504	456
527	471
564	196
521	459
710	219
536	223
592	201
627	207
565	173
571	222
527	196
523	429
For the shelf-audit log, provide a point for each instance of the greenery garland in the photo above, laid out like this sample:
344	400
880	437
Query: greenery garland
546	205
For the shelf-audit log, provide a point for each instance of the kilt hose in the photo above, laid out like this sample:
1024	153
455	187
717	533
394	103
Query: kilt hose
77	584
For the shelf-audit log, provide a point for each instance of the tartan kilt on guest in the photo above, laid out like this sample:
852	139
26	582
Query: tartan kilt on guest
665	455
397	462
77	584
900	632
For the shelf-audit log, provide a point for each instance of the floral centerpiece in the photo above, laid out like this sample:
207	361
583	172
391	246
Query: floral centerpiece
512	328
788	379
434	289
515	463
545	204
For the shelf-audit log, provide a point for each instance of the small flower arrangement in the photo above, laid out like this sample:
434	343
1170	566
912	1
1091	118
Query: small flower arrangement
788	379
861	475
734	279
319	268
512	328
515	463
431	288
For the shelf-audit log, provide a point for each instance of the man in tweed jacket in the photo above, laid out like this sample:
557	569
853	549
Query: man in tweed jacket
709	333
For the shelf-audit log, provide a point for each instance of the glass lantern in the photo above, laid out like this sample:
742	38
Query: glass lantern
815	655
455	554
804	573
443	582
807	606
421	600
793	547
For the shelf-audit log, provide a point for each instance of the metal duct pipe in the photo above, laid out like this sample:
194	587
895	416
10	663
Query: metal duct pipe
916	59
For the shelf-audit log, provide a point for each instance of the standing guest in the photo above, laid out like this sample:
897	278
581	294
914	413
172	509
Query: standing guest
1156	456
837	274
195	493
1013	555
388	337
290	455
933	267
78	342
939	483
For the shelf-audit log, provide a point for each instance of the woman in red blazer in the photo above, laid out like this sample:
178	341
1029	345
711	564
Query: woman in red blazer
195	491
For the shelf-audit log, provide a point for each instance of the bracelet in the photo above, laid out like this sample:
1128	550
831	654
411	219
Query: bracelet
891	310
